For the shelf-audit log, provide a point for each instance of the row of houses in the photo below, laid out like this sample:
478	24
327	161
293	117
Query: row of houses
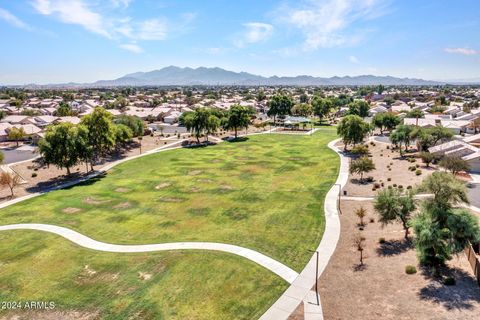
467	149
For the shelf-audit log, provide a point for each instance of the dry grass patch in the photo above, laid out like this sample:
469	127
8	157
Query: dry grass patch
171	199
71	210
122	205
122	190
144	276
163	185
91	200
195	172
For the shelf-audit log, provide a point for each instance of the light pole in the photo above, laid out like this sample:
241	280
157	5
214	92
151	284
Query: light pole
316	277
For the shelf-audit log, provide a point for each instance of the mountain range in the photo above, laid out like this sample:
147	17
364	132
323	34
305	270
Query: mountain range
216	76
177	76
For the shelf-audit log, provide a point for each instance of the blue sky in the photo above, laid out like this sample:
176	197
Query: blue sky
49	41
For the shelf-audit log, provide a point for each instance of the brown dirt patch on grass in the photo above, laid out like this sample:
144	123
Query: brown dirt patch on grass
91	200
122	190
144	276
122	205
195	172
163	185
71	210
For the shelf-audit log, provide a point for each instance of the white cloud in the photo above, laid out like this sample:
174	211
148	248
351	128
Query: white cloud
13	20
132	47
153	29
254	32
464	51
73	12
353	59
326	23
120	3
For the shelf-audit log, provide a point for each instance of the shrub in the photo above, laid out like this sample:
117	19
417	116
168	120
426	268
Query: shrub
34	175
381	240
360	149
35	169
400	187
389	187
410	270
418	172
372	220
388	147
409	187
449	281
389	179
394	185
376	185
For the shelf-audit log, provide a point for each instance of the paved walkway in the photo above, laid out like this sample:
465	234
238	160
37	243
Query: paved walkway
300	290
276	267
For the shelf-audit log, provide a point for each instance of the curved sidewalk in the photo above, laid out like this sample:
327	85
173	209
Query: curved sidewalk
276	267
300	290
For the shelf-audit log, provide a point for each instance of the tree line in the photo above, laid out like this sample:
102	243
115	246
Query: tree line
66	145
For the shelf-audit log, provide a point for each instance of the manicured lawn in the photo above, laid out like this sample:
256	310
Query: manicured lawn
183	285
264	194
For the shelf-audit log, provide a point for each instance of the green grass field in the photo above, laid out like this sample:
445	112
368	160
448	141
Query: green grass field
264	194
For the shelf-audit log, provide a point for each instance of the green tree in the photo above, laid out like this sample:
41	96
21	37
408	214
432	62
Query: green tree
101	132
134	123
442	229
238	117
415	113
279	105
213	123
123	134
395	205
359	108
362	165
16	134
352	129
427	157
63	110
201	122
302	109
2	157
454	164
59	147
402	135
322	106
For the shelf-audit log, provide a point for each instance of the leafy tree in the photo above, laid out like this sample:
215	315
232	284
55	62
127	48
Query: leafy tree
322	106
352	129
394	205
302	109
441	229
16	134
3	114
385	121
59	147
440	134
359	108
64	110
454	164
134	123
213	123
362	165
279	105
303	98
123	134
2	157
101	132
402	135
427	157
238	117
415	113
200	122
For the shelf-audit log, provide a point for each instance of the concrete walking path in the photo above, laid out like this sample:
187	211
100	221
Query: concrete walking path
276	267
301	288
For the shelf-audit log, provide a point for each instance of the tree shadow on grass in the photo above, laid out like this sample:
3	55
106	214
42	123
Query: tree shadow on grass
394	247
237	139
57	182
461	296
